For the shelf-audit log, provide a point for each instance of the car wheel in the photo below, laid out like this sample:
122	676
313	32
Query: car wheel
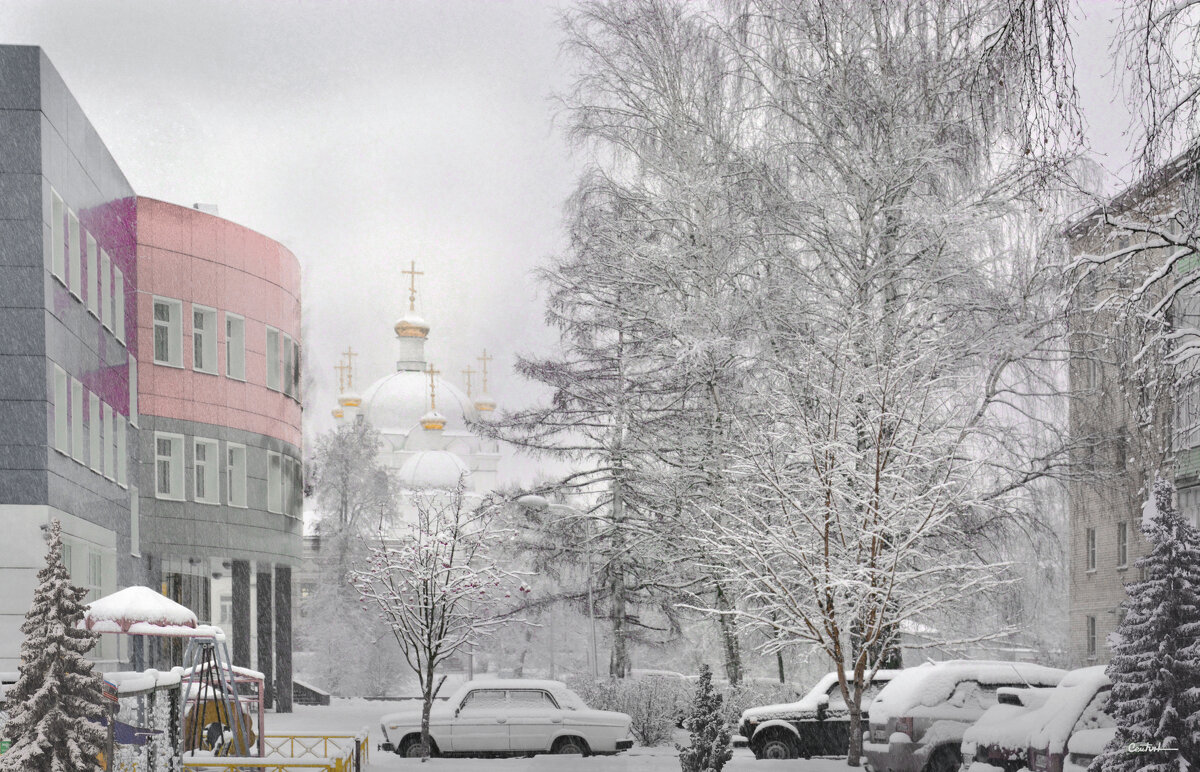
413	748
570	745
777	747
946	759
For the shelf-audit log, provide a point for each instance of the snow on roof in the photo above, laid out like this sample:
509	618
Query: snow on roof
238	670
135	681
809	702
933	682
139	606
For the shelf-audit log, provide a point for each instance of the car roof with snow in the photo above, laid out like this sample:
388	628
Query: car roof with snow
932	683
1008	725
809	702
557	688
1057	717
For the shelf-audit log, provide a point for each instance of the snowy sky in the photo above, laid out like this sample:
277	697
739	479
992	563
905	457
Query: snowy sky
367	133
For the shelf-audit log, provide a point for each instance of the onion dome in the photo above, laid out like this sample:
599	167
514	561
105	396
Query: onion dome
438	469
337	412
485	404
349	399
433	421
398	402
411	325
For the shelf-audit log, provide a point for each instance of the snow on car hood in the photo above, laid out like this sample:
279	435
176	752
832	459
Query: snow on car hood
439	710
806	705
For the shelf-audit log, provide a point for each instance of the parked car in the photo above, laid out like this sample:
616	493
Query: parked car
1079	705
999	740
1084	746
509	717
817	725
918	720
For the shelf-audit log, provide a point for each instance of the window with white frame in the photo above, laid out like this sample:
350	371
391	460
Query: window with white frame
135	525
1090	546
74	258
206	466
93	276
235	347
105	290
77	439
274	482
273	358
58	262
204	339
287	365
94	433
236	474
168	332
1122	545
110	469
133	391
62	429
122	461
119	304
168	466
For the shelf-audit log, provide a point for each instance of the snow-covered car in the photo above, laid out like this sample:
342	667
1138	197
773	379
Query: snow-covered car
1080	704
816	725
1084	746
918	720
509	717
999	740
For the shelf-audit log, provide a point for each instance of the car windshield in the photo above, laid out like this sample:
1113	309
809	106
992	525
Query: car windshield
569	700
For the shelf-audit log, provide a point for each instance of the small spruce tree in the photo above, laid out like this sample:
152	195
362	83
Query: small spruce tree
1155	667
56	708
709	748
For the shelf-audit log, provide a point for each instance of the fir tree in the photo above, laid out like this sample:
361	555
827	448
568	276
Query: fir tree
709	748
1155	668
57	705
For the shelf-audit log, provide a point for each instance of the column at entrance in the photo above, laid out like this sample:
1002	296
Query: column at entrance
264	621
283	638
240	612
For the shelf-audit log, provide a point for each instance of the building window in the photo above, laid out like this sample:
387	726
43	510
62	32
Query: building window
206	460
62	431
119	303
133	391
95	577
94	433
105	290
274	482
1091	637
110	468
93	275
135	525
75	261
204	339
77	420
296	369
168	466
1122	545
236	474
168	332
122	461
1091	549
58	263
235	347
288	368
273	358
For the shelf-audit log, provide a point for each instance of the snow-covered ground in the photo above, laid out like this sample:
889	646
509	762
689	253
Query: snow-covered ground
349	716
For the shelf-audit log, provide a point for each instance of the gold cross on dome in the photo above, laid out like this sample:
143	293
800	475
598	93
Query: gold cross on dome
432	395
413	273
341	371
349	353
485	359
468	373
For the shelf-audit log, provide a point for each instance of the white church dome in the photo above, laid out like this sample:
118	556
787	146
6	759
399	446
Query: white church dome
397	402
438	469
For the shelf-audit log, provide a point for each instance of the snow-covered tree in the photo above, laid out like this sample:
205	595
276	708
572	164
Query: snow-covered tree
708	729
1155	666
435	586
56	709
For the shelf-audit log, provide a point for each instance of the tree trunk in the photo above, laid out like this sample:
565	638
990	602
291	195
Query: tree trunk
779	662
426	707
729	638
854	752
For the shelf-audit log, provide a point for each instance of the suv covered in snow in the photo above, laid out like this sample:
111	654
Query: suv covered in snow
999	739
817	725
918	720
1077	706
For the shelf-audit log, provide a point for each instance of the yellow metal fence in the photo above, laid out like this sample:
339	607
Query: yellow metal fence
292	752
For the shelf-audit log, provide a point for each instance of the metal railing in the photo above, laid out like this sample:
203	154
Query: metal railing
288	752
266	764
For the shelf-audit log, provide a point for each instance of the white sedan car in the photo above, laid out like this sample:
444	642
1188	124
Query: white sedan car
509	717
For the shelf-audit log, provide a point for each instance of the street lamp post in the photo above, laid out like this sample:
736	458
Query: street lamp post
540	504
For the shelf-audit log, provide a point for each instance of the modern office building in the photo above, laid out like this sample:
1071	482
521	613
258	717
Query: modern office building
148	385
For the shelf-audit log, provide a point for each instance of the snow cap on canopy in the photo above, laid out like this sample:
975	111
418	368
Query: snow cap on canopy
134	609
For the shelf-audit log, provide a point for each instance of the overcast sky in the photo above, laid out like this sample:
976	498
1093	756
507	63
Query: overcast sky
364	134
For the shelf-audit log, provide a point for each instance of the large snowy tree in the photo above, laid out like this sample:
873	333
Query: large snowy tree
1155	667
436	587
56	709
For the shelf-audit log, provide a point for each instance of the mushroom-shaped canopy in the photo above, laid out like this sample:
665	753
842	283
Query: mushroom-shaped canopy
137	610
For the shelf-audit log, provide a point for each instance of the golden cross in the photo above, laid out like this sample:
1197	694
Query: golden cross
349	353
432	395
485	359
341	368
469	372
412	286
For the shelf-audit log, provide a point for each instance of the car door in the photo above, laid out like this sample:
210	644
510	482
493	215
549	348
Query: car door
480	724
533	720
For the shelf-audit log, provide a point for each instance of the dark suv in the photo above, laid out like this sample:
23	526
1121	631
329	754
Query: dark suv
817	725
